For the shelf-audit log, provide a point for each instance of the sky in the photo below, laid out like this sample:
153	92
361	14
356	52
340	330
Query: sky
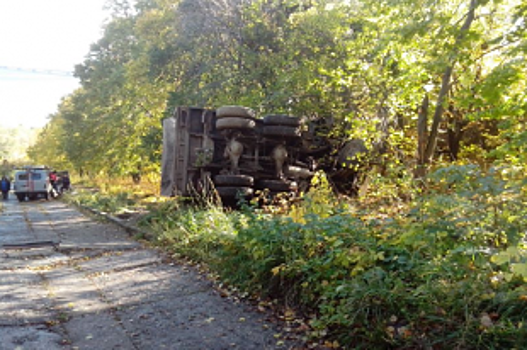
42	35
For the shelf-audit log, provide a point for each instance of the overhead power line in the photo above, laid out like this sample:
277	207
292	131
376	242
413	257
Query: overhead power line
37	71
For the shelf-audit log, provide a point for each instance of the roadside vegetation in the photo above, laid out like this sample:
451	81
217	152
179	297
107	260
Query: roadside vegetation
445	268
430	254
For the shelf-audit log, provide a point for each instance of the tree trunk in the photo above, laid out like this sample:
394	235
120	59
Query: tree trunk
426	157
422	137
454	132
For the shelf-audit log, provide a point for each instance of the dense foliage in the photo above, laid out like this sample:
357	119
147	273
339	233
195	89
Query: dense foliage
419	79
432	253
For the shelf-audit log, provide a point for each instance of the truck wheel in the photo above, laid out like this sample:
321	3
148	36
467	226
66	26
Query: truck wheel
235	123
352	154
280	119
298	172
233	192
235	111
277	185
234	180
280	130
20	197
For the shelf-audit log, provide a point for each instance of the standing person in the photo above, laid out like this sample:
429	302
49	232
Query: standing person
5	186
53	181
65	182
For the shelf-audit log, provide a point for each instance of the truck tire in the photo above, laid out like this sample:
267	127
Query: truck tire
20	197
352	154
234	180
280	119
233	192
235	111
235	123
281	131
298	172
277	185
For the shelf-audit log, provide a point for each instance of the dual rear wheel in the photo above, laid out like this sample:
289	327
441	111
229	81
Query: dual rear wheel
239	120
241	186
234	186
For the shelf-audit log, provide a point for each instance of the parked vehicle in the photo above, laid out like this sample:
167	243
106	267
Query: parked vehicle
32	182
232	152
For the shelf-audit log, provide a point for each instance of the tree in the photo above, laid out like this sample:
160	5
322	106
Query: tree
378	69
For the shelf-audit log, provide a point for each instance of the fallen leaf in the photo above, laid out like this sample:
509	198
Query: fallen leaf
289	315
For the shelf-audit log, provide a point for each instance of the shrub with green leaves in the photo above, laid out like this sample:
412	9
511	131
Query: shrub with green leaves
443	275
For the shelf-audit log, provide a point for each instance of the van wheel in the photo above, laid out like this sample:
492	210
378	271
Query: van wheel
20	197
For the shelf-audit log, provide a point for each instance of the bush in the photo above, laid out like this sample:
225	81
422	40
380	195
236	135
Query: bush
443	275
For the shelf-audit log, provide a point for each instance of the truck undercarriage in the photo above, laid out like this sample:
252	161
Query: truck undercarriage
230	152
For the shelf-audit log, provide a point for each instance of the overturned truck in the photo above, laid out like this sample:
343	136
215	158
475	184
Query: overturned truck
231	152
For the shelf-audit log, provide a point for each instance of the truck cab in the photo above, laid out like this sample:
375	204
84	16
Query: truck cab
31	183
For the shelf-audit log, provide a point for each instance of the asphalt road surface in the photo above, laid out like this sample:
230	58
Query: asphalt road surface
70	282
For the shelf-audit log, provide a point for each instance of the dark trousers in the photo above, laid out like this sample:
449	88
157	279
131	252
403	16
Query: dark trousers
5	194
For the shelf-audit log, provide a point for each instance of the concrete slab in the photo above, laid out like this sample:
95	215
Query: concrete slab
29	338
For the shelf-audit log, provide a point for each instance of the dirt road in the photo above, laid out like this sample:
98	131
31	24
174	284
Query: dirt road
99	289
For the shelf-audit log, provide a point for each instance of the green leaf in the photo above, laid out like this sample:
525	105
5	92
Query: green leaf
519	269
